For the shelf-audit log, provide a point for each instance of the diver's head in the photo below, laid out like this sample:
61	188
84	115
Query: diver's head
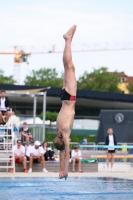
59	144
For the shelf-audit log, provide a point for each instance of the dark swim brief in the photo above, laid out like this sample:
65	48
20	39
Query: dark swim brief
66	96
111	151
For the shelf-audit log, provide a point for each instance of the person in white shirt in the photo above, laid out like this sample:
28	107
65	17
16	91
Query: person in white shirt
76	155
110	141
29	149
14	122
13	119
37	155
19	155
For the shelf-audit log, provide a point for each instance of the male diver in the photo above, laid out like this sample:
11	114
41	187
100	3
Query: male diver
65	117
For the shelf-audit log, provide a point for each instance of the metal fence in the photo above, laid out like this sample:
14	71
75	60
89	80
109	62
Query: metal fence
124	152
6	144
73	131
121	154
37	133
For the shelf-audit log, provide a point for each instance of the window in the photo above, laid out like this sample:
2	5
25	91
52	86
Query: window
123	79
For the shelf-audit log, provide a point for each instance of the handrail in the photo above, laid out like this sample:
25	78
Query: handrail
5	142
107	146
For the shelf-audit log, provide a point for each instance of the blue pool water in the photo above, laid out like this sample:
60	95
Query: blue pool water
71	189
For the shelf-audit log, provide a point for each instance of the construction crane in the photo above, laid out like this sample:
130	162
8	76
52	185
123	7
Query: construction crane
23	52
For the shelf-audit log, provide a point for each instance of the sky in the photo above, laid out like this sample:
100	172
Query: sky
43	22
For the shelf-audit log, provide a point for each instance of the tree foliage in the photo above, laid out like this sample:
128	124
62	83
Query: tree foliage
130	87
44	77
6	79
51	116
100	80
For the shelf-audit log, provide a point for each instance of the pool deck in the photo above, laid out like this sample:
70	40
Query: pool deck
121	170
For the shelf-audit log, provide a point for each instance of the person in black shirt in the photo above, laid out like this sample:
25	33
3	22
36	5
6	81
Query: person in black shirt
25	133
110	141
48	152
5	106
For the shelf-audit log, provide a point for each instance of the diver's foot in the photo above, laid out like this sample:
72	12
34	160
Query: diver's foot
69	34
65	176
61	174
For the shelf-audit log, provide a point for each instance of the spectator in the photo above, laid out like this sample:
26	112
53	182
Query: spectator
48	153
19	155
37	155
84	141
110	141
4	107
29	148
25	133
14	122
76	155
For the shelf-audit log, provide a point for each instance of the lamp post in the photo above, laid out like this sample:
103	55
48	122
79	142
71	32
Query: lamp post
44	113
34	114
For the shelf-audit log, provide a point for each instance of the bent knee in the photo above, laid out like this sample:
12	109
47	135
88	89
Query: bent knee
7	113
42	157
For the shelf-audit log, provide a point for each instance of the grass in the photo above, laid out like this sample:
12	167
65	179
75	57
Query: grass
74	138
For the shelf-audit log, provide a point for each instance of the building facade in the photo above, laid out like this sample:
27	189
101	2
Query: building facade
88	105
124	82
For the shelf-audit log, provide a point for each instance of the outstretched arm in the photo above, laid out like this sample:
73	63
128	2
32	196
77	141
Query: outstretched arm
62	154
67	153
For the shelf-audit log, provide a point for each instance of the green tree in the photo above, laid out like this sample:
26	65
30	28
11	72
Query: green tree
44	77
51	116
6	79
100	80
130	87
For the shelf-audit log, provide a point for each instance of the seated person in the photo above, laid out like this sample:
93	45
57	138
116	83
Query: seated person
48	153
25	133
4	107
14	122
29	148
36	155
76	155
19	155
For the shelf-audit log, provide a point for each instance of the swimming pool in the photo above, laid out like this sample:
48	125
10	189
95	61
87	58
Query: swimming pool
71	189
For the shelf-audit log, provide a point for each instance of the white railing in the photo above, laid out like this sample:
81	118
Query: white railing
6	144
124	152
